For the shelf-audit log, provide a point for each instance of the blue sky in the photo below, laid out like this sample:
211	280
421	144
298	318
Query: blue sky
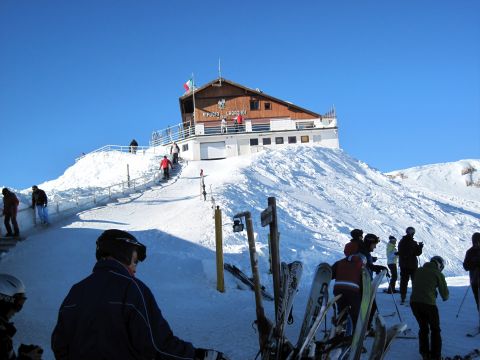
404	76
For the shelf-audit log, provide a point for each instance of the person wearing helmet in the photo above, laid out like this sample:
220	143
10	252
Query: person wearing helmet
428	279
12	298
471	263
113	315
356	244
392	258
165	165
371	241
408	250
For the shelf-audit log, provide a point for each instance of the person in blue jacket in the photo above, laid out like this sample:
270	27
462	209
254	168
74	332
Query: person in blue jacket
113	315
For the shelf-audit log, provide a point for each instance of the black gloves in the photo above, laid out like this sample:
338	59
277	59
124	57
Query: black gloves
374	258
420	244
395	253
31	352
209	354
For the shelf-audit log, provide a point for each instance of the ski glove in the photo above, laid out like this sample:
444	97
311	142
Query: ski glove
374	258
209	354
32	352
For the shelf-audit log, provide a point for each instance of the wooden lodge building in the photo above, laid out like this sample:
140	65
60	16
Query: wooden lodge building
224	119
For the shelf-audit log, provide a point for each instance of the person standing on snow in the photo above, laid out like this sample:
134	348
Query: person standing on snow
10	208
165	165
133	146
12	298
408	250
40	202
175	150
428	279
472	265
120	319
347	273
392	257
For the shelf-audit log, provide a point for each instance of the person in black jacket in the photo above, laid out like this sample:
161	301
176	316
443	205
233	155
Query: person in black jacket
113	315
133	146
472	265
408	250
40	202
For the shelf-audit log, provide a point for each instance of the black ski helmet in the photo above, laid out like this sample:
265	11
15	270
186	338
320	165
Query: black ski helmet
120	245
371	239
356	233
439	261
410	230
392	239
476	239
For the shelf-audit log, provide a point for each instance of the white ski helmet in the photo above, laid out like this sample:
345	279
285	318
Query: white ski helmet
11	288
439	261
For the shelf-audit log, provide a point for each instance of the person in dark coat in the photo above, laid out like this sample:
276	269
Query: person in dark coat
12	298
121	310
40	202
10	208
408	250
472	265
133	146
428	282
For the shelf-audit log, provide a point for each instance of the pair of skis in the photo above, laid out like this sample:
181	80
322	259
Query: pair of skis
384	338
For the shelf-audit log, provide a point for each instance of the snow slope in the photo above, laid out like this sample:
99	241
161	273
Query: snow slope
321	195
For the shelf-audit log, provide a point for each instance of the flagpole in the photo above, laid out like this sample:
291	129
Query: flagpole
193	94
219	71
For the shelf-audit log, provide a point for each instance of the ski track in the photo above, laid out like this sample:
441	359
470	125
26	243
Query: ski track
321	195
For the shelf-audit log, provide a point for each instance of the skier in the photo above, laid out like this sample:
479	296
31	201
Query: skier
10	208
165	165
347	273
371	241
356	243
392	257
472	265
120	308
133	146
12	298
223	126
40	202
174	150
408	250
428	279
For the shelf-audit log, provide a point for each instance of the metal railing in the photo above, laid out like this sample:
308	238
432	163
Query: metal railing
171	134
123	148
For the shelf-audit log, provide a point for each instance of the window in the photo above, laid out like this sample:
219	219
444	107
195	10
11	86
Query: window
266	141
185	147
268	106
260	127
253	142
292	139
279	140
305	139
254	104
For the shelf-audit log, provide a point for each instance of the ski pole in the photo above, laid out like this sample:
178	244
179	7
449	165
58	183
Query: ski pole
394	302
464	297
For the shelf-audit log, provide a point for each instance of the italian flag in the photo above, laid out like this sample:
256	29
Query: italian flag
188	85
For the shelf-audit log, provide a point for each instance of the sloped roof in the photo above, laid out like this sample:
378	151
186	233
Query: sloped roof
253	91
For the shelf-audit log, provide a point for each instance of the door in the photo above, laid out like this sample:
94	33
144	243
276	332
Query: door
212	150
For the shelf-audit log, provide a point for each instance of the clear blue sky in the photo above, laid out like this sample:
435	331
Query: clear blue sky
404	76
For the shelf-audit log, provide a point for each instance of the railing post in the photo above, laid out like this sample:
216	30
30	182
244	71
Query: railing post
58	207
219	249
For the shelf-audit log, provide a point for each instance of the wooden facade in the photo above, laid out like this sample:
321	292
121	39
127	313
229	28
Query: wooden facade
223	98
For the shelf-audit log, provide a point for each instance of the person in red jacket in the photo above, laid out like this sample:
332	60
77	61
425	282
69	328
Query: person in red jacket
348	282
10	208
165	165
